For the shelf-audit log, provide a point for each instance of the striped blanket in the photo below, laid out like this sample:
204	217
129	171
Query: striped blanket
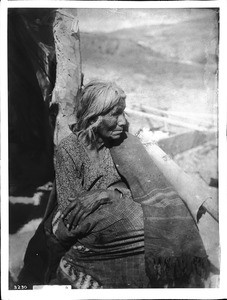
174	252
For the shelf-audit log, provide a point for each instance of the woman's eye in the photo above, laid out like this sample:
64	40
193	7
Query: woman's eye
114	114
118	113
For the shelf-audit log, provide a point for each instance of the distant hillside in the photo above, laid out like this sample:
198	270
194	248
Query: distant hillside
163	66
191	41
188	41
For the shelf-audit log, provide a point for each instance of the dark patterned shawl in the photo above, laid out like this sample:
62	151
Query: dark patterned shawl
174	252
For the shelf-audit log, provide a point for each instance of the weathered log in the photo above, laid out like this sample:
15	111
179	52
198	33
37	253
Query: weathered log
191	192
68	75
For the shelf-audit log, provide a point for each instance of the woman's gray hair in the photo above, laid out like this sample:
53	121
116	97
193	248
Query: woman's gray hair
97	99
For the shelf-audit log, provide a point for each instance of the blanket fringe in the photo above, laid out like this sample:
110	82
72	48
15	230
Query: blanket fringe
178	272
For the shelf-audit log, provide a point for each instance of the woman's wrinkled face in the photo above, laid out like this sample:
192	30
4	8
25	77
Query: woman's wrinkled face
114	122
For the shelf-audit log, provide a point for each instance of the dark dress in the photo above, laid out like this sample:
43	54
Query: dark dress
112	254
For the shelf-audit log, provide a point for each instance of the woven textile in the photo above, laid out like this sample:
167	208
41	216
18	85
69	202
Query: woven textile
174	252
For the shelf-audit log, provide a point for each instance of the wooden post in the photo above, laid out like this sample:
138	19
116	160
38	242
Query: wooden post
68	74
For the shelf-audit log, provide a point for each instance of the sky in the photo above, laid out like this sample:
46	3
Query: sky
111	19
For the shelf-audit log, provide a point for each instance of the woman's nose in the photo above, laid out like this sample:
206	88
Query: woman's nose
122	120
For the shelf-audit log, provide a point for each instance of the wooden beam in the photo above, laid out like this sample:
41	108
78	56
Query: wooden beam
179	143
178	113
166	120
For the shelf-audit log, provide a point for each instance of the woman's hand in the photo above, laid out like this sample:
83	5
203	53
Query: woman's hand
65	236
71	225
80	208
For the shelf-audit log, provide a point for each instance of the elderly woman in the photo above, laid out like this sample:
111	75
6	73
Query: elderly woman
108	247
117	223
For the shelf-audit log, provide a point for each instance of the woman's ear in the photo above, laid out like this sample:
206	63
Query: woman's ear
95	121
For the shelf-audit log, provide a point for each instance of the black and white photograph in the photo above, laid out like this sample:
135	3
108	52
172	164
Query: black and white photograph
113	158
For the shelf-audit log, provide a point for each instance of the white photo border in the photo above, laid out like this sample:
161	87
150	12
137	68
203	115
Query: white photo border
216	293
